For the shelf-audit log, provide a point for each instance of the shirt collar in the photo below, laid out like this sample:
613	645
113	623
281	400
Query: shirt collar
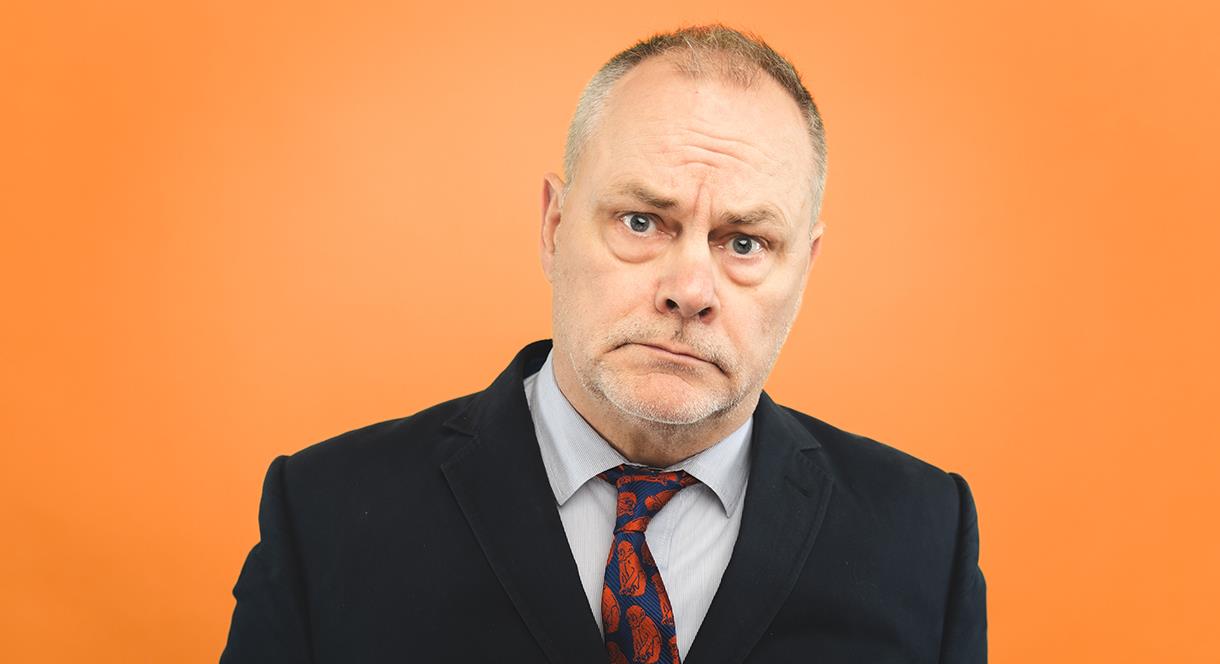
573	452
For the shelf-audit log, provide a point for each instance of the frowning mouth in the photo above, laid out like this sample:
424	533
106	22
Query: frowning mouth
675	354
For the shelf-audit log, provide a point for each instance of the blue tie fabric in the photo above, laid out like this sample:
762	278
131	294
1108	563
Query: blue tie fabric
636	614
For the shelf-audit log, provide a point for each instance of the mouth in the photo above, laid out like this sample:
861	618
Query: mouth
674	354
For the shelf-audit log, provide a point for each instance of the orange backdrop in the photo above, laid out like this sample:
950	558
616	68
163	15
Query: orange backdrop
231	231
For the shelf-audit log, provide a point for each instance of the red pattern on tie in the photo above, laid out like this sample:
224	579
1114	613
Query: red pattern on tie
626	503
645	639
610	612
616	655
667	611
656	502
630	571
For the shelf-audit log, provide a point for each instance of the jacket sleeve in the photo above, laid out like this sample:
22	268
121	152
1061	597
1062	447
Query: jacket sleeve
270	621
964	640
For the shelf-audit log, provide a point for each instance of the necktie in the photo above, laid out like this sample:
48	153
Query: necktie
636	614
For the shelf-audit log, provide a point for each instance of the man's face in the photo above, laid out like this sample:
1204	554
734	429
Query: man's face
679	253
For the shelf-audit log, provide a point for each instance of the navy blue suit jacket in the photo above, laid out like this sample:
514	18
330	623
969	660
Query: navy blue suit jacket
436	538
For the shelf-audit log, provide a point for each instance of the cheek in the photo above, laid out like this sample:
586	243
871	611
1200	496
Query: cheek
619	272
596	287
754	318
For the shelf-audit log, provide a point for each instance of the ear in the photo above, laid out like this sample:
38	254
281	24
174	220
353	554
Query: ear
816	245
552	192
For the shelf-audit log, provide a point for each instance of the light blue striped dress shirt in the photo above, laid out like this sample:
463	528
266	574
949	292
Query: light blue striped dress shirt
691	538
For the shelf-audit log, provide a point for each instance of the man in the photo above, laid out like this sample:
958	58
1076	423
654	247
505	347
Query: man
627	492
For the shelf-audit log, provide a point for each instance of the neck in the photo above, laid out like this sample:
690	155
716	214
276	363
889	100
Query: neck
644	441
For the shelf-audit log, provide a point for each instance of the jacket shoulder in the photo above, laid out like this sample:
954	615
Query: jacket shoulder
416	441
870	467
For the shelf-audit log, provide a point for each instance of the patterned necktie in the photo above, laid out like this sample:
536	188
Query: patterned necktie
636	614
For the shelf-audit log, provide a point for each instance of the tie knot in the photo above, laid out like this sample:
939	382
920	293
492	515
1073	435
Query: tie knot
642	492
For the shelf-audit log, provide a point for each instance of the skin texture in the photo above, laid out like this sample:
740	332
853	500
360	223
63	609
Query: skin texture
645	248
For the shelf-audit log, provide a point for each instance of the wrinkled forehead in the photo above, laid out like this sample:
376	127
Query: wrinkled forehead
675	131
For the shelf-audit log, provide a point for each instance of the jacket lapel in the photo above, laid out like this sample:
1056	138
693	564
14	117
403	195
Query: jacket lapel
786	499
500	483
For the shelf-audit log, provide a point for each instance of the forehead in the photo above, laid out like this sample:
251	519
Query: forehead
748	144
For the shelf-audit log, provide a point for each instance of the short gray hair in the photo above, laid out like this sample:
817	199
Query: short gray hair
697	52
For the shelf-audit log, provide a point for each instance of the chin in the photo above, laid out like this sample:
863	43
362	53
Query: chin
663	398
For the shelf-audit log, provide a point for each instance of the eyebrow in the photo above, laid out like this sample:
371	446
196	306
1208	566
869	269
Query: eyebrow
762	216
645	195
765	215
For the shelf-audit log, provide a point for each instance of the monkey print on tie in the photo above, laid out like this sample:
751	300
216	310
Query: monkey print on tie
636	614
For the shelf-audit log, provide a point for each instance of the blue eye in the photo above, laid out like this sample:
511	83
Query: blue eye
745	245
638	223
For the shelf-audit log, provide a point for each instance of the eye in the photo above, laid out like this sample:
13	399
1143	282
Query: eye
637	222
744	245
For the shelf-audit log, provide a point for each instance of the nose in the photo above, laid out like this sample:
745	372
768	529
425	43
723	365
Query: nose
688	284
